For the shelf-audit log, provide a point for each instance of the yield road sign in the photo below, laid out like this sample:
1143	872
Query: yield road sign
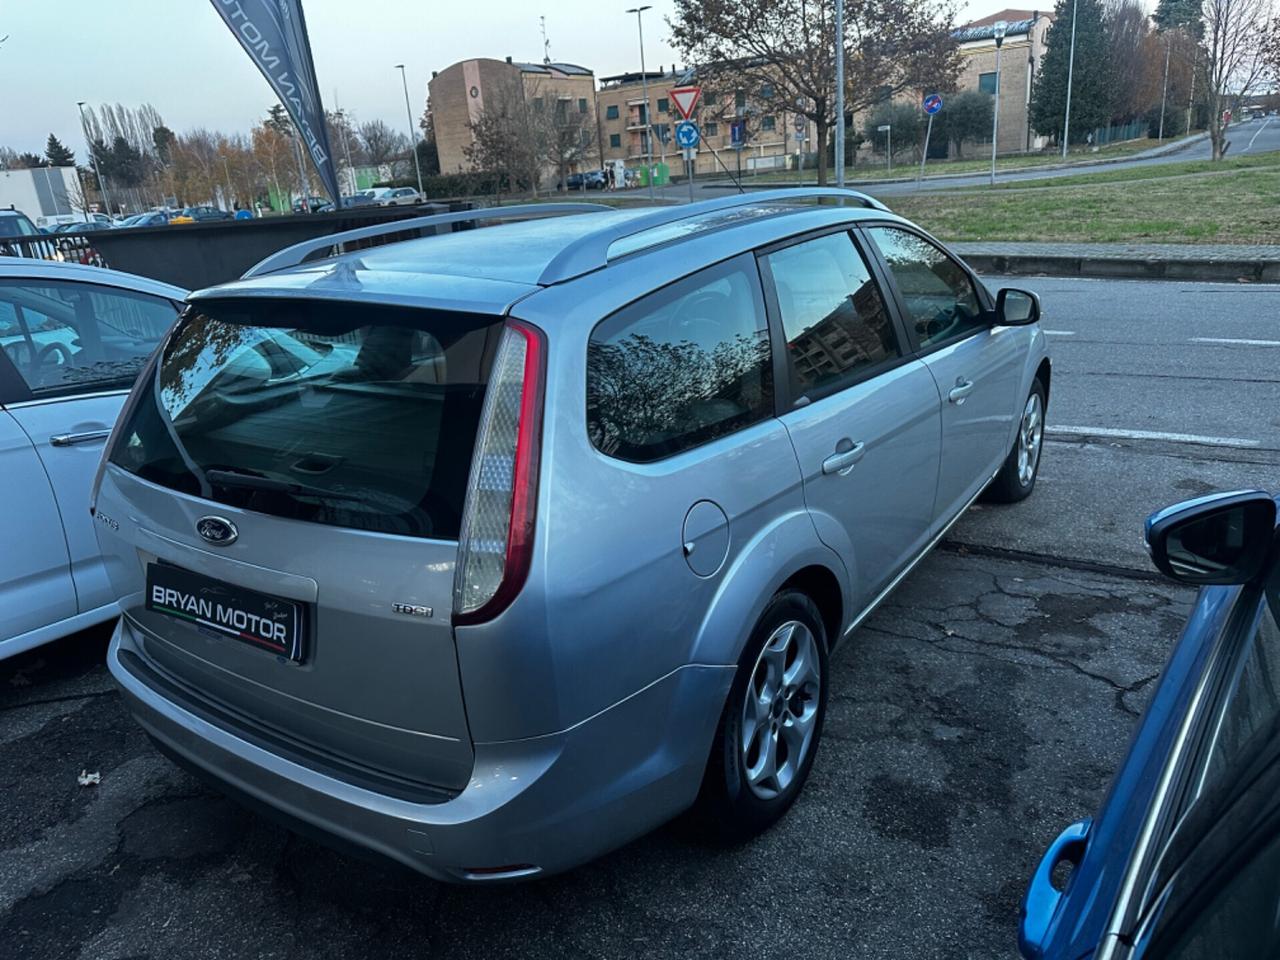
932	104
685	99
687	134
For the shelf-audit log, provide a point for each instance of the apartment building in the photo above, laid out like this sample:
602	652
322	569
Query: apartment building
458	96
1020	56
768	129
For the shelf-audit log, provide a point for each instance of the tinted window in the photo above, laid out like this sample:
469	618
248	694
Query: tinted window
680	367
987	82
1250	701
72	337
353	415
611	113
833	316
939	295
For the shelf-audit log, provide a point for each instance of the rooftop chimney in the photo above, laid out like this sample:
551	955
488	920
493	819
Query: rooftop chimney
508	59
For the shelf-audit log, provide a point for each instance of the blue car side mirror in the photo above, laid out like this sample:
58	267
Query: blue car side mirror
1224	538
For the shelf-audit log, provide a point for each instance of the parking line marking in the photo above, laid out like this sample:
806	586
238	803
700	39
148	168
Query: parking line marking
1155	435
1237	340
1059	333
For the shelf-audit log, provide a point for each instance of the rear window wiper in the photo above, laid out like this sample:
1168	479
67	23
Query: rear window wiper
250	481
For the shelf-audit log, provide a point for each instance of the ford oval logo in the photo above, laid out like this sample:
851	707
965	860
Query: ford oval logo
217	530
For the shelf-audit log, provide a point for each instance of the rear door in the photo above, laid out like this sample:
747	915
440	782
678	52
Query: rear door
308	458
77	348
863	414
977	367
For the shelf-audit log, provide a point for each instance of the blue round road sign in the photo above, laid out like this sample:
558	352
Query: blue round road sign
687	134
932	104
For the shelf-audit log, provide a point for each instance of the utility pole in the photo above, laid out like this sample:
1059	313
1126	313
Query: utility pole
644	86
346	145
839	156
999	28
226	168
413	140
93	159
1164	90
1071	64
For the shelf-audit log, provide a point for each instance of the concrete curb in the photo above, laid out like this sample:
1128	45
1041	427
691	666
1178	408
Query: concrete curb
1127	268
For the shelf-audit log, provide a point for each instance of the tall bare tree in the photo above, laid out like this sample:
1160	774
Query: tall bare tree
1234	60
787	47
509	136
382	143
569	136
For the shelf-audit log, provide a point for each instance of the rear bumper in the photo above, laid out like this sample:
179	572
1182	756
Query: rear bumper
531	807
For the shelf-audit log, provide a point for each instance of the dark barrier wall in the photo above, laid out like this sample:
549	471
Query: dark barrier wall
195	255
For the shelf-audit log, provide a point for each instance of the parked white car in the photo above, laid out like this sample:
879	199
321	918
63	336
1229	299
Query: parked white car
72	341
399	196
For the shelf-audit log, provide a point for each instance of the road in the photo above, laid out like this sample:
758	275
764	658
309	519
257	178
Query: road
975	714
1250	137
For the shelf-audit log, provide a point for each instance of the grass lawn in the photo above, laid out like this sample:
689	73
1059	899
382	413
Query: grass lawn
973	164
1232	201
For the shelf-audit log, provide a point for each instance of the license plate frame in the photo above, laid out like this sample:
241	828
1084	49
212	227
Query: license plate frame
260	620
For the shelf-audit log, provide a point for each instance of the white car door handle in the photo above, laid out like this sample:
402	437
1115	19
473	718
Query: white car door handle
70	439
961	390
843	461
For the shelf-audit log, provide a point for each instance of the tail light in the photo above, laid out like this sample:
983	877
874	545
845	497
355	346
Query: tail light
496	542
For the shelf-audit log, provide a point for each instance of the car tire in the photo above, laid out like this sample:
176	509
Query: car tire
780	685
1017	476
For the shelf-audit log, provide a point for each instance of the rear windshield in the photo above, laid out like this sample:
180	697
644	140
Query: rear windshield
337	413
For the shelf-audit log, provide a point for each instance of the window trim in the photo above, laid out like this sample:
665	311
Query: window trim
746	264
786	398
983	296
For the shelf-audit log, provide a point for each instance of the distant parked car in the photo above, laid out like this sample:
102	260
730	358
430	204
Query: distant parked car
152	218
72	341
309	204
589	180
362	198
15	223
1183	859
200	215
400	196
88	226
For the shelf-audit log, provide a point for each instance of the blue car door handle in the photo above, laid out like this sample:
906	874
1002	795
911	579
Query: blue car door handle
1040	905
961	390
842	461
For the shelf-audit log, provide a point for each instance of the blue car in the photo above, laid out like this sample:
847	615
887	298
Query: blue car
1183	859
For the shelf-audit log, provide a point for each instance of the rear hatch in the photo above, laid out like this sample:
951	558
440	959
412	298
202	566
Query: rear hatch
289	485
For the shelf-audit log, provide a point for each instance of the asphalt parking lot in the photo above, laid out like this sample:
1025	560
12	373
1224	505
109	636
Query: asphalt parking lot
975	714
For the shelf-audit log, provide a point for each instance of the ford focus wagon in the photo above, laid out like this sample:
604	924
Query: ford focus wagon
491	550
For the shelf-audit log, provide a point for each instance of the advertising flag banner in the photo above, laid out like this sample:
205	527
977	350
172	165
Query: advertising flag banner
274	34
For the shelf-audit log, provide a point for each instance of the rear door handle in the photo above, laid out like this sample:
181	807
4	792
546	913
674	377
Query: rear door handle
71	439
961	390
843	461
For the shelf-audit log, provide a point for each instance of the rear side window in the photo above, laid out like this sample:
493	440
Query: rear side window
833	315
66	338
343	414
681	367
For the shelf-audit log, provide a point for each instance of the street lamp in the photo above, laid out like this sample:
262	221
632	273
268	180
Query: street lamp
1000	27
1071	65
413	140
644	86
93	160
1164	89
227	170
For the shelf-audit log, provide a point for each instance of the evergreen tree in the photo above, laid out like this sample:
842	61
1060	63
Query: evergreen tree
57	154
1171	14
1091	80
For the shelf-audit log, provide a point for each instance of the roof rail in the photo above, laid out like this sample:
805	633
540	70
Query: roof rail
296	254
591	251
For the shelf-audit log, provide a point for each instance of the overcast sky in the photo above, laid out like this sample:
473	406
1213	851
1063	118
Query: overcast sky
179	56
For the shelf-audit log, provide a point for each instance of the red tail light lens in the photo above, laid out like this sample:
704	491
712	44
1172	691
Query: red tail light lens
496	543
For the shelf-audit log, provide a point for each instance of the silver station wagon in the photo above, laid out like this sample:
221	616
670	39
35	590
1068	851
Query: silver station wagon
490	550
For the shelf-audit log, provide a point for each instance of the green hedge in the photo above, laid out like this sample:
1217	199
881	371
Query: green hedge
450	184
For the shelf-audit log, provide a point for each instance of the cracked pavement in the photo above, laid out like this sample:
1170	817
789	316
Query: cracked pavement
983	708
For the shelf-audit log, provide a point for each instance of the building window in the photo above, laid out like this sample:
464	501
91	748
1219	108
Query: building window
611	112
562	108
582	104
537	104
987	83
712	130
663	107
740	98
709	99
615	139
766	91
766	123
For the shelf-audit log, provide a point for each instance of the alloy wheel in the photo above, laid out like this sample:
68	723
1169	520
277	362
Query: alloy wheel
1030	437
780	709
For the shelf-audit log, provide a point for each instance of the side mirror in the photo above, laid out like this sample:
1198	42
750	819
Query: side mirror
1223	538
1016	308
